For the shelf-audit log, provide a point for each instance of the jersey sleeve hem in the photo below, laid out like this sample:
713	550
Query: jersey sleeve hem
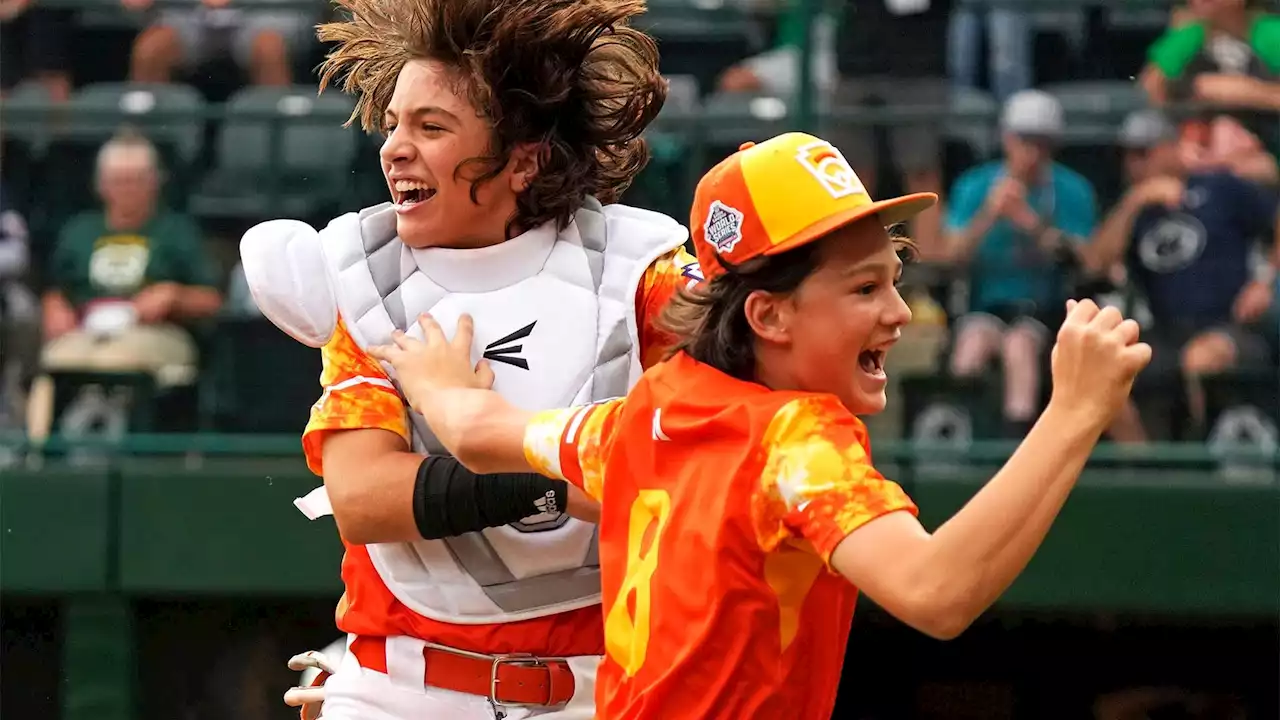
359	403
313	441
825	537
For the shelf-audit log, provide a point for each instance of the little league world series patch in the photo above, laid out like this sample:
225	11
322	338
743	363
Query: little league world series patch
723	227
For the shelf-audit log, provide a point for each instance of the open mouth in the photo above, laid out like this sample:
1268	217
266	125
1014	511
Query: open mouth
410	193
872	362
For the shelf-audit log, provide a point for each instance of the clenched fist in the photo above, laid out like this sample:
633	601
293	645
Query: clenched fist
1095	360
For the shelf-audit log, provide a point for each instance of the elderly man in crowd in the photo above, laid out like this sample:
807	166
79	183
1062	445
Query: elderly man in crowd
123	279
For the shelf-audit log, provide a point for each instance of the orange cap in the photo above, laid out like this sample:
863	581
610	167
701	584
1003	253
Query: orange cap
785	192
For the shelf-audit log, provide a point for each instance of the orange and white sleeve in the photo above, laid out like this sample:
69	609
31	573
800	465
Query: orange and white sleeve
662	280
572	443
357	395
818	484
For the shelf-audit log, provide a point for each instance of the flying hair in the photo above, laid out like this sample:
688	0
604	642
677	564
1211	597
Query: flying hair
569	77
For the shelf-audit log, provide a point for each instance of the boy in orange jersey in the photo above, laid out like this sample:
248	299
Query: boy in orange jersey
740	508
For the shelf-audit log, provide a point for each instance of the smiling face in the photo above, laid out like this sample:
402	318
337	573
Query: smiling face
833	332
432	132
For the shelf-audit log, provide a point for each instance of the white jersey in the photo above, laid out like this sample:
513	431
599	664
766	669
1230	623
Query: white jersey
554	315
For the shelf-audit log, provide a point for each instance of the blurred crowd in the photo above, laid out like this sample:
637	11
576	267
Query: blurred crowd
1176	219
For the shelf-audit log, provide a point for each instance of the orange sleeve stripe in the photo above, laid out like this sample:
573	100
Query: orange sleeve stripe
577	438
544	440
570	464
595	430
570	444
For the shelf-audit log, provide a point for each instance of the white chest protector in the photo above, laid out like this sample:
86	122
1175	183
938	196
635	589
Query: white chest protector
555	316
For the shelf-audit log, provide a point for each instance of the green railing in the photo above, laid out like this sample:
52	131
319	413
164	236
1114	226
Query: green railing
1163	530
222	445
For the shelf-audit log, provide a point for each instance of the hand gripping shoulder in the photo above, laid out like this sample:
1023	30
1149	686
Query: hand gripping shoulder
285	267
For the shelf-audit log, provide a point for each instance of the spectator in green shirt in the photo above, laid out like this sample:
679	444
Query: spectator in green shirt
1226	54
123	279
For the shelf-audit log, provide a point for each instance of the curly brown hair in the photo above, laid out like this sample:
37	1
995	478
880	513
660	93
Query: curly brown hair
568	76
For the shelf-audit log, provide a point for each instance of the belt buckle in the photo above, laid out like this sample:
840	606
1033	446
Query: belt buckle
521	660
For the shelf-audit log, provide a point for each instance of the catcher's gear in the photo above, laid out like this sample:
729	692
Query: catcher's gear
309	698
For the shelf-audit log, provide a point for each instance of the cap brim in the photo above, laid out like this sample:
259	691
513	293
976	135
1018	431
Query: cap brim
890	212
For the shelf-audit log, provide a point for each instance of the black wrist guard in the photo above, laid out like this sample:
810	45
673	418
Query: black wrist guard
450	500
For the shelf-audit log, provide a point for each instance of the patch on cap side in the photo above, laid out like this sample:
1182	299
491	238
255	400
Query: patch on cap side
723	227
825	163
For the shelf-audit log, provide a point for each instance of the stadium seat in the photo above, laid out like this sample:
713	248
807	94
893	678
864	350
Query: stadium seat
1242	409
1095	108
1057	35
17	167
945	411
171	116
730	119
280	152
683	94
1243	421
116	403
701	39
168	114
1117	43
28	116
975	123
259	379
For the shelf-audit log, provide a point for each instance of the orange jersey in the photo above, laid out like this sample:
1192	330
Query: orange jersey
722	503
359	395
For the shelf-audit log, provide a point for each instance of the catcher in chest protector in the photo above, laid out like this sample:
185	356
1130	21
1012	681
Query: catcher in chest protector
511	127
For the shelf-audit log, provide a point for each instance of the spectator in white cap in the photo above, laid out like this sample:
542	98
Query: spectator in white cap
1000	214
1190	238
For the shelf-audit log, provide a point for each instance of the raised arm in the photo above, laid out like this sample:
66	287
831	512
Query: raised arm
939	583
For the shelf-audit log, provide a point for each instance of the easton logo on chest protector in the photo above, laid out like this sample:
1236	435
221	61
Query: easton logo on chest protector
502	350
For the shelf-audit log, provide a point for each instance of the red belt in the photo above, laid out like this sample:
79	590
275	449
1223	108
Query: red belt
511	680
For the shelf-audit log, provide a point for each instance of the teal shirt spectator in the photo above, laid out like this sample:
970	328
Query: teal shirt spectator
1007	268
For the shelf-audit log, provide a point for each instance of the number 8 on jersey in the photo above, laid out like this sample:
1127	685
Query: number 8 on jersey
627	633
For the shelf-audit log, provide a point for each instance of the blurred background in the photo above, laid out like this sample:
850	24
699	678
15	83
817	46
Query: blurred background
152	565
